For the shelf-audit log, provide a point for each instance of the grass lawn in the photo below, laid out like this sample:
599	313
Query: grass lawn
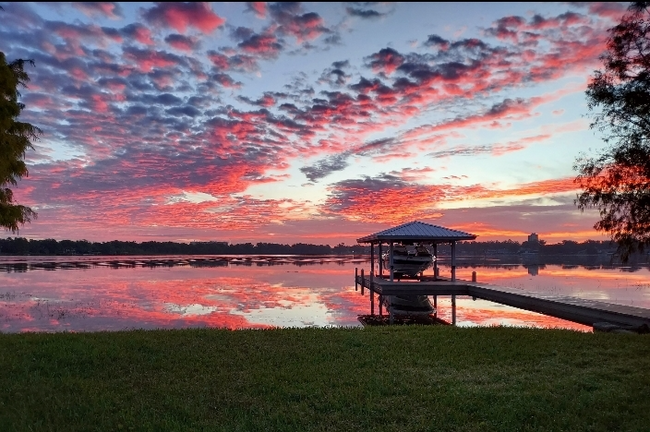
394	379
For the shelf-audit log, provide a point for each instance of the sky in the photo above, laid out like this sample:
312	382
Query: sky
306	123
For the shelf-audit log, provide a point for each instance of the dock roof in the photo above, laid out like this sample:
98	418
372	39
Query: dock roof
417	231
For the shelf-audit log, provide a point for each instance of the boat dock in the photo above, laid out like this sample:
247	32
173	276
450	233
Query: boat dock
598	314
583	311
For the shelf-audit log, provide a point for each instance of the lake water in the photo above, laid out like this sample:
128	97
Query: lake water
294	292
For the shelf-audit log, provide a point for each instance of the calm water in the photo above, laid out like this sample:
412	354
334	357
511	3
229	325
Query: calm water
256	295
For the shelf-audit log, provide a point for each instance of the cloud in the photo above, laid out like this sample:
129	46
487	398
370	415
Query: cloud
108	10
225	80
325	167
147	59
303	26
138	32
506	27
610	10
258	8
437	41
364	13
335	75
386	60
266	101
262	45
374	199
180	16
181	43
144	111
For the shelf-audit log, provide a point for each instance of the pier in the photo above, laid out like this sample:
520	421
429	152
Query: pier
597	314
583	311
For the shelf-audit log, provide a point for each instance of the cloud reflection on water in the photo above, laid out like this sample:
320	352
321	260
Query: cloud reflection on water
237	296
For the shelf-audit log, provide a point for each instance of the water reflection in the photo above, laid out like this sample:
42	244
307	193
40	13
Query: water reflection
256	292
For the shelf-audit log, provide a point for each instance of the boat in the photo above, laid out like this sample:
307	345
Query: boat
409	260
408	305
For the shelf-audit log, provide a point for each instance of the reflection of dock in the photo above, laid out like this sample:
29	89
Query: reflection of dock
582	311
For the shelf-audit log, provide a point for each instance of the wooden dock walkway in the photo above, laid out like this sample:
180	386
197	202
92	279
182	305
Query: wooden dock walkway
582	311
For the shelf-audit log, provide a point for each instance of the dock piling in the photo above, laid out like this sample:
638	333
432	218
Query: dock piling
453	309
435	306
363	282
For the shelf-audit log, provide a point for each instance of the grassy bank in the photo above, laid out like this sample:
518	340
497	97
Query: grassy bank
393	379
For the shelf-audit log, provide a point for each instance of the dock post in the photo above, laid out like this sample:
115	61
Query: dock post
473	276
356	278
363	282
381	267
435	262
391	318
435	305
453	261
392	265
379	299
453	309
372	295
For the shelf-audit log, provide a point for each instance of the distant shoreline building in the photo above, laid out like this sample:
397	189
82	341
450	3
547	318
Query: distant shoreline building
533	238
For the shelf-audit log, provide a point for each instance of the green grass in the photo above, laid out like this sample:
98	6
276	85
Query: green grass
393	379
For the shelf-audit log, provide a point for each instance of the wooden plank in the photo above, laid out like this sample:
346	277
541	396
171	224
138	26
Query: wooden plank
416	288
582	311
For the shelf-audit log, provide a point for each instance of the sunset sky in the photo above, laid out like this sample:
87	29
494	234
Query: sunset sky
315	123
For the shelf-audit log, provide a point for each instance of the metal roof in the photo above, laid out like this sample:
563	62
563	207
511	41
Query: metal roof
417	231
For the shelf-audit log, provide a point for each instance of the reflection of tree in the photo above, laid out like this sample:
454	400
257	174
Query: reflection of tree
533	270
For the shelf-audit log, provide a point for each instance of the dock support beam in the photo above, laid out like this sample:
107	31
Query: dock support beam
392	266
362	282
356	278
453	309
372	295
435	262
381	264
435	306
453	261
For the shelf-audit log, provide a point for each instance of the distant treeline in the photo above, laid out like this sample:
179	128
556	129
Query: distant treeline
22	246
566	247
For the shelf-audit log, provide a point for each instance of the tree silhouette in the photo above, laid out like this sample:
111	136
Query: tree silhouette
15	139
618	181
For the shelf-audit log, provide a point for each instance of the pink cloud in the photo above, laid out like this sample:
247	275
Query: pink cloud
264	45
109	10
145	60
182	43
180	16
613	11
259	8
